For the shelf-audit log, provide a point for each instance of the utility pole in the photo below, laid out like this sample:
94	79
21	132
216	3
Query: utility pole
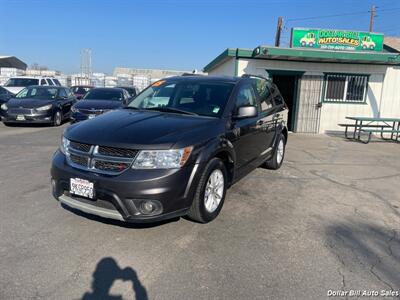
371	20
278	32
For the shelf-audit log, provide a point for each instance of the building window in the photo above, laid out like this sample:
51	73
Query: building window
341	88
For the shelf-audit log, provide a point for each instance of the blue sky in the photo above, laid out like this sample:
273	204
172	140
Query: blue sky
172	34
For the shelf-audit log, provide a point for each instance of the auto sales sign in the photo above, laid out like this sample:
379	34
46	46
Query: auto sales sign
331	39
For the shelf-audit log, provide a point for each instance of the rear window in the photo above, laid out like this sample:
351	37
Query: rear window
22	82
104	94
80	89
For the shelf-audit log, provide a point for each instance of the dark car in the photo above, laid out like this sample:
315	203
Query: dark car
39	104
173	151
133	91
5	95
98	101
80	90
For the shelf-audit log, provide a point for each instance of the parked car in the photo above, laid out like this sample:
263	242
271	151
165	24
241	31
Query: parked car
80	90
155	160
5	95
39	104
133	91
17	84
98	101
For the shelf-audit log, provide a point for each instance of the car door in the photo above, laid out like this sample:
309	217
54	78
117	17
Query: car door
244	131
267	120
63	102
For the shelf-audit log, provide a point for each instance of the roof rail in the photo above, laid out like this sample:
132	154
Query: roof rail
191	74
257	76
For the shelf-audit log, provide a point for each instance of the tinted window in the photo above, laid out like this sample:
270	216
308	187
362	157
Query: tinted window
50	82
104	94
245	96
56	82
202	98
45	93
264	93
43	82
69	92
278	99
80	90
22	82
62	93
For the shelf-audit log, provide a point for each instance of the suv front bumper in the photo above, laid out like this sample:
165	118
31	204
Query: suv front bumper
120	197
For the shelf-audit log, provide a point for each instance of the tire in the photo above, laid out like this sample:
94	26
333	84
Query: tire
57	118
275	162
7	124
201	211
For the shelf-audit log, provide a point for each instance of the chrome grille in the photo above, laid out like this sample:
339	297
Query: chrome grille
111	166
80	146
100	159
119	152
79	160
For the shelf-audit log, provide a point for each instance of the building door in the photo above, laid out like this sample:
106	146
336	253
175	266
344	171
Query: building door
287	85
309	106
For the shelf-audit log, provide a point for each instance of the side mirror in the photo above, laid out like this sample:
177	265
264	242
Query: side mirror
249	111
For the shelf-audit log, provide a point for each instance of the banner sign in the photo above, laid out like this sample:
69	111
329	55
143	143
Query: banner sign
330	39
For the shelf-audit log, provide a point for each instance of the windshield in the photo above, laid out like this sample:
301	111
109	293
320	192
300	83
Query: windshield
44	93
202	98
22	82
80	89
104	94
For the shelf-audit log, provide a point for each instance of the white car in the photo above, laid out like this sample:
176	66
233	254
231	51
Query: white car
16	84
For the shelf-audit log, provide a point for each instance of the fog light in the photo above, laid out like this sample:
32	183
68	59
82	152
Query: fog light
148	207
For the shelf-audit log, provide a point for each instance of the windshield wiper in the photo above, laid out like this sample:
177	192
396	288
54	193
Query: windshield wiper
172	110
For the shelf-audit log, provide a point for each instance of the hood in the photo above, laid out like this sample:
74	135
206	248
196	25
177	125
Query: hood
14	89
142	129
28	103
98	104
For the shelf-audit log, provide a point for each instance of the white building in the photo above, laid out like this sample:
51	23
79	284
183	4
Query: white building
322	87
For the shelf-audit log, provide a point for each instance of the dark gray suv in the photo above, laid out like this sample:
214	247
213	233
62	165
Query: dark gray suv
173	151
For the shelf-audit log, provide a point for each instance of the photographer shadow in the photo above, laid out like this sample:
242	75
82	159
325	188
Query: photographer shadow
106	273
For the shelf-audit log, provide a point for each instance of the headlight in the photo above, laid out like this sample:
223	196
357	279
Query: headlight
46	107
64	145
162	159
4	106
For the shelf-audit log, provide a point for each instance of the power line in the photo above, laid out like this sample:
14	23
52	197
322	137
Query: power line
340	15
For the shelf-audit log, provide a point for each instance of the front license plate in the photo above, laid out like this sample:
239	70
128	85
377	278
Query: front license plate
20	117
92	116
81	187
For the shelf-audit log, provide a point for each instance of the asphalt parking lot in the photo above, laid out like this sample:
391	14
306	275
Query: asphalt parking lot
329	219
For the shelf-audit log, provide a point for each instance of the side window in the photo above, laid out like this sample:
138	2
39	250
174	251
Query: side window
43	82
264	92
49	81
278	99
246	96
69	93
62	93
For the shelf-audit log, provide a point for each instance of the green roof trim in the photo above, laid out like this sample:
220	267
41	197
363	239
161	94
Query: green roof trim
296	54
264	52
226	55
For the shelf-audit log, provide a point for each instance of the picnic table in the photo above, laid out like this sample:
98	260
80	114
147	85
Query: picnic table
370	125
